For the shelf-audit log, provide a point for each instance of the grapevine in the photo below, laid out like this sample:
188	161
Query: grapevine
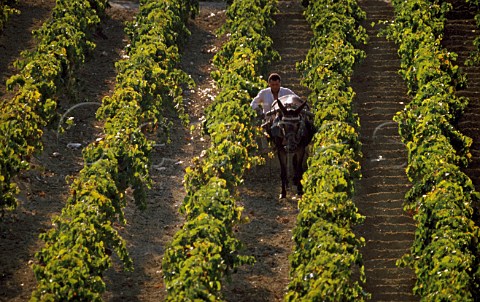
63	43
204	250
326	250
445	251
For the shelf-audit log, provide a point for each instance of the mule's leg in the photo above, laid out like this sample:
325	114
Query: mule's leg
282	157
299	154
296	179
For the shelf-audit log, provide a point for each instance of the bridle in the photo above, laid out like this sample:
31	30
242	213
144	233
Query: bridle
289	122
290	127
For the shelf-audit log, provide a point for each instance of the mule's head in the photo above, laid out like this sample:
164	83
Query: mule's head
291	126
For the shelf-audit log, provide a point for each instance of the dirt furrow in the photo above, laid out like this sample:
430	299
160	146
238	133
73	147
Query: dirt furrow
388	231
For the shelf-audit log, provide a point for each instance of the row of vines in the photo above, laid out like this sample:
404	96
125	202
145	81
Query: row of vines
326	254
7	10
205	250
62	44
78	248
445	253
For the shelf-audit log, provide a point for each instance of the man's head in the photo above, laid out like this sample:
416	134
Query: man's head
274	82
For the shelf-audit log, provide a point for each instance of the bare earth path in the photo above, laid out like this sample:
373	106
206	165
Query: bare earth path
388	231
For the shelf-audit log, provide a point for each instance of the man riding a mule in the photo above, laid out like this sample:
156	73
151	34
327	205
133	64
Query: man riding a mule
288	125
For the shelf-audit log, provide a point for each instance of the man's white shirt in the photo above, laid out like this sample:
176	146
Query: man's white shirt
265	98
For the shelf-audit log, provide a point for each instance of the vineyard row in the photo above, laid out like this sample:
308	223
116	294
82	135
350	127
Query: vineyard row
445	252
78	248
205	250
326	252
62	44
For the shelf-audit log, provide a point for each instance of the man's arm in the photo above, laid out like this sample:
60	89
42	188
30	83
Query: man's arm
257	101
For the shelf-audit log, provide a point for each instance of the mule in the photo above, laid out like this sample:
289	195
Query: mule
291	131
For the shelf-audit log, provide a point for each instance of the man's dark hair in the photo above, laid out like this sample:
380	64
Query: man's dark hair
274	77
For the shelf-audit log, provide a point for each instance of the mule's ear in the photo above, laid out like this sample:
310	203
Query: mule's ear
299	109
280	105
